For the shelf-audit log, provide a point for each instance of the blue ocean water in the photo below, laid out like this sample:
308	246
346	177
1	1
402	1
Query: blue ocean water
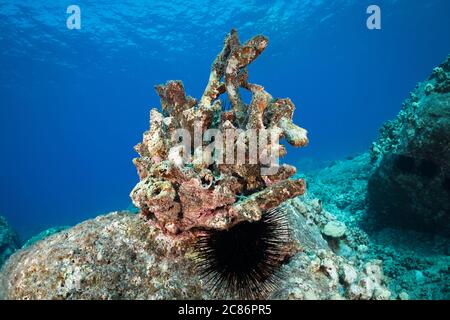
73	103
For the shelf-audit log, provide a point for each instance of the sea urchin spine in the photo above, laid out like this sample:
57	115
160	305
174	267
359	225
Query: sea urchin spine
244	262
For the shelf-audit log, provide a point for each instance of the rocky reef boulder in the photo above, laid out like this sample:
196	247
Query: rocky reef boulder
9	240
116	256
410	187
120	256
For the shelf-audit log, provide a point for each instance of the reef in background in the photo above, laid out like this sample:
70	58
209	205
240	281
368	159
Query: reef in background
410	187
393	203
415	263
9	241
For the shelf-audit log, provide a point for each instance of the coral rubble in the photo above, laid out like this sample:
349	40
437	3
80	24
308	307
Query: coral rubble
318	270
411	184
409	257
184	189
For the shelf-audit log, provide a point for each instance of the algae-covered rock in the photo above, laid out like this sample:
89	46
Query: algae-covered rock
119	256
116	256
410	187
9	240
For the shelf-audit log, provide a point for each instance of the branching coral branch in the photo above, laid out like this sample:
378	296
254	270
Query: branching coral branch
215	87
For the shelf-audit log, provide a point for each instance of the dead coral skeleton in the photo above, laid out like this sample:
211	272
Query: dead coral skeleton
181	189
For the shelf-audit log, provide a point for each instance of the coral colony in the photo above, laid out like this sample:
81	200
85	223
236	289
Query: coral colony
213	175
184	189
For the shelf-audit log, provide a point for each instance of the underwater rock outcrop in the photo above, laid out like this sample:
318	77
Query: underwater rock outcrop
116	256
119	256
410	187
9	240
216	179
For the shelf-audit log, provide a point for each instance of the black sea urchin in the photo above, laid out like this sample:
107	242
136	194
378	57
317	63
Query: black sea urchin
244	262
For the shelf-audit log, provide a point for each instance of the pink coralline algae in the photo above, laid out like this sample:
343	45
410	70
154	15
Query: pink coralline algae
184	190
